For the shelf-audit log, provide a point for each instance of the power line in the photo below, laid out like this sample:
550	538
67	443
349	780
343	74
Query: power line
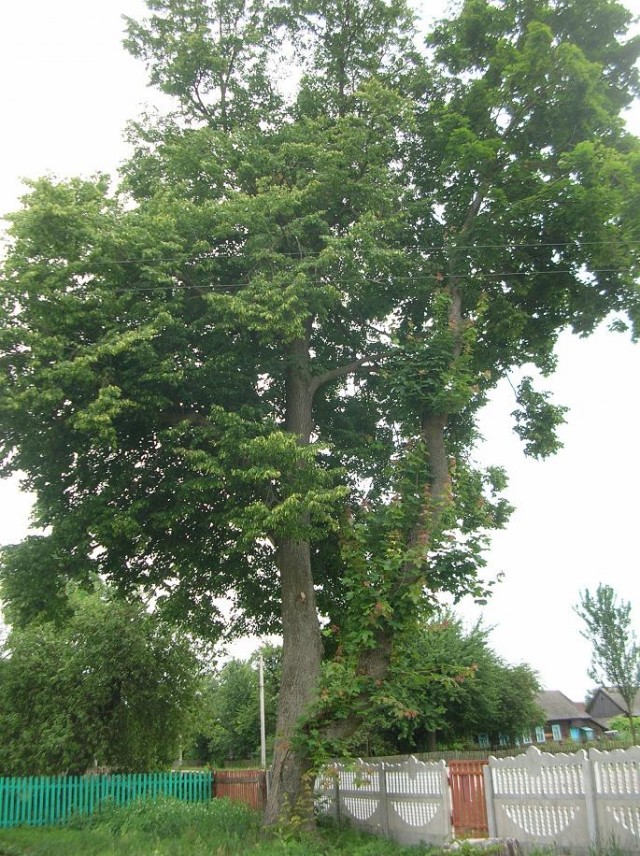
222	286
215	256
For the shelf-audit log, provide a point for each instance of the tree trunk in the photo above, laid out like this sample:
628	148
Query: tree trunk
301	639
301	657
374	662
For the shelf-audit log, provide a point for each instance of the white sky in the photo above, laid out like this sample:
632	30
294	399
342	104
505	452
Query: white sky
67	89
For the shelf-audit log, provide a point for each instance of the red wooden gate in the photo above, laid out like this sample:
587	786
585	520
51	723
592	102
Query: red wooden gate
468	799
248	786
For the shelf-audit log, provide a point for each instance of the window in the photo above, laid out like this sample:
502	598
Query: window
526	738
556	732
483	740
503	740
540	738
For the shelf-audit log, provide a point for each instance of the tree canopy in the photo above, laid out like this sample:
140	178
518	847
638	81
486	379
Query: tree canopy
448	687
109	685
445	687
252	370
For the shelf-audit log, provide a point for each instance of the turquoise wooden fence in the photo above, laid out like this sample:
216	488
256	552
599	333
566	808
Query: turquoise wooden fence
48	800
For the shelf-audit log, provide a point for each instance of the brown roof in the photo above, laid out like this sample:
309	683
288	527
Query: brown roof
557	706
616	697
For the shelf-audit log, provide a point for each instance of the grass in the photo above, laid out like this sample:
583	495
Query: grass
168	827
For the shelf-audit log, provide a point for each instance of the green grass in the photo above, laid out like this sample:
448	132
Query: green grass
167	827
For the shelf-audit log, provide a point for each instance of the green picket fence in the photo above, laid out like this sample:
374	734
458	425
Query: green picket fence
49	800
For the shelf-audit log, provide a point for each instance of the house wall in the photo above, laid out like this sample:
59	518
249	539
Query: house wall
571	730
603	707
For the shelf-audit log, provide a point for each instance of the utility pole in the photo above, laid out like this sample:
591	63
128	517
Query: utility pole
263	737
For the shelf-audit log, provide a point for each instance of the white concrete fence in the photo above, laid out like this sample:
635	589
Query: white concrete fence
573	803
408	801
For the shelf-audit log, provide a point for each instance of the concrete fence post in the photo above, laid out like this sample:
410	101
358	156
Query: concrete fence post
384	800
590	800
488	796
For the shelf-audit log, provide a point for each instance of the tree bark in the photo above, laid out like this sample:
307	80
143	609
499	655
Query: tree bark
301	657
301	639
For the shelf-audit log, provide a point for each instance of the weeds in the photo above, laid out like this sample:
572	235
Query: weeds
168	827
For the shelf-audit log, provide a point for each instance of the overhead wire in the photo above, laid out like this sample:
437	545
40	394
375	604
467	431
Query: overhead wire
221	286
96	264
213	255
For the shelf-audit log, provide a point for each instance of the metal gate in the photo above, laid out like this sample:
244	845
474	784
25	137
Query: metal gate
247	786
469	807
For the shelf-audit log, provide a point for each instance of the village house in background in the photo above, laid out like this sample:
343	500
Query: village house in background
607	703
568	720
564	721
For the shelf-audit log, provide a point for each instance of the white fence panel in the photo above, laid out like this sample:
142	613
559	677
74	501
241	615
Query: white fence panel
572	803
407	801
616	778
542	800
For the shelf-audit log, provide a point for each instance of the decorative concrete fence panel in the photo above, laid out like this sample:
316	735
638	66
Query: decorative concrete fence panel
407	801
542	800
616	777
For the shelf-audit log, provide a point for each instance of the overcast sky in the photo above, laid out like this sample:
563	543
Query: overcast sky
67	89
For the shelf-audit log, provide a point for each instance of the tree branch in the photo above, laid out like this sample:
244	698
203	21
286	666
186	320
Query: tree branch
333	374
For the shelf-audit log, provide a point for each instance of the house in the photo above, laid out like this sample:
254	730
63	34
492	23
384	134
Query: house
566	719
607	703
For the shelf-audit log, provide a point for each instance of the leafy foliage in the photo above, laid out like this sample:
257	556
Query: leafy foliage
227	721
616	653
622	725
537	420
111	684
446	684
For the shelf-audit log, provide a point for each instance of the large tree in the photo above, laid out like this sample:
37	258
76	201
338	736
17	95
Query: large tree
254	370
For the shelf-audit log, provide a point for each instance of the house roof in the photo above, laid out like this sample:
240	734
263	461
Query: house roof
557	706
617	699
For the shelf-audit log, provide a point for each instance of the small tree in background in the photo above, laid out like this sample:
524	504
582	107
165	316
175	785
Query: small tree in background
226	721
616	654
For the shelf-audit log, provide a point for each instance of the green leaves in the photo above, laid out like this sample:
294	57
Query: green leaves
211	56
443	679
616	653
537	421
109	683
227	721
